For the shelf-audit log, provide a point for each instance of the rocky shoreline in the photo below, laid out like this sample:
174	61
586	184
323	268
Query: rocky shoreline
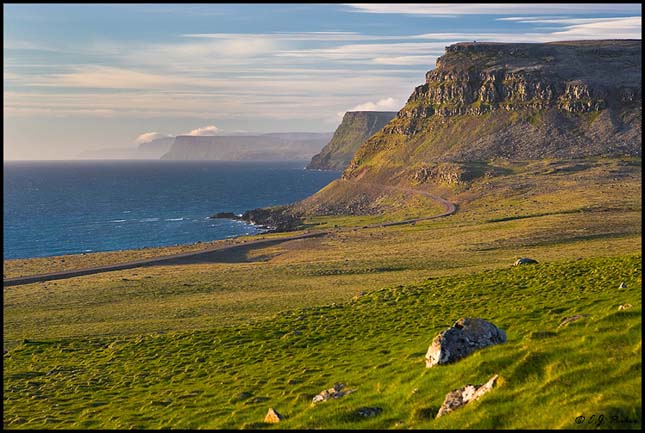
274	220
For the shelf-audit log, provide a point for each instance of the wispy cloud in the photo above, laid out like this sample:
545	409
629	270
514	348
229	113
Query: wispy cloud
204	131
387	104
269	75
570	28
149	136
453	9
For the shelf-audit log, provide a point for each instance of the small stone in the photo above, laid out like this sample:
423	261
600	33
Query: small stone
524	261
273	416
459	397
624	307
572	319
369	412
622	285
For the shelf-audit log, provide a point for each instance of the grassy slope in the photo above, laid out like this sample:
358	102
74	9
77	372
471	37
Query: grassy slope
202	335
560	216
228	377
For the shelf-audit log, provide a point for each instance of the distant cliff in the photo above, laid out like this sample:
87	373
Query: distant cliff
290	146
156	148
356	127
514	101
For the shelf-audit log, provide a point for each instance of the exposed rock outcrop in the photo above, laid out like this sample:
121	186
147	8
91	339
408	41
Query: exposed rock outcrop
337	391
459	397
280	218
463	338
355	128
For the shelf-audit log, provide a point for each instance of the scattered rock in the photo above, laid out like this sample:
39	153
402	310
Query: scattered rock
255	400
572	319
337	391
622	285
243	395
368	412
273	416
459	397
524	261
464	337
624	307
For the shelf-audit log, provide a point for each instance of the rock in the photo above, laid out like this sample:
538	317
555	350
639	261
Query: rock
524	261
572	319
355	128
622	285
464	337
227	215
337	391
624	307
273	416
459	397
368	412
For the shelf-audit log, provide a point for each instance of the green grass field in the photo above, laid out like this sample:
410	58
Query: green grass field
228	377
215	344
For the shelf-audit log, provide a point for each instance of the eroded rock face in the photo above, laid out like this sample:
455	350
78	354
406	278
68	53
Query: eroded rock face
355	128
459	397
484	101
463	338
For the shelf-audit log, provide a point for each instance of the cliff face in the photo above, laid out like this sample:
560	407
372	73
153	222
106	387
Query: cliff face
266	147
355	128
156	148
516	101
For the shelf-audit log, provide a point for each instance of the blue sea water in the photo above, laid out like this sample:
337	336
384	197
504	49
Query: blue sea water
69	207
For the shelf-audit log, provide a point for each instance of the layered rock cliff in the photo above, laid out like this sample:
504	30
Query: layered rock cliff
514	101
291	146
355	128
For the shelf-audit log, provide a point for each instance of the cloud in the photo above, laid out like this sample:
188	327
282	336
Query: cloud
427	61
455	9
386	104
204	130
572	28
149	136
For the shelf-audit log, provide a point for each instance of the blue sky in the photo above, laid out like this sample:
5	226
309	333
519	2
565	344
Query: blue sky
82	77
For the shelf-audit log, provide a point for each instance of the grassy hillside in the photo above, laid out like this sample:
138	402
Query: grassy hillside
229	377
549	210
215	344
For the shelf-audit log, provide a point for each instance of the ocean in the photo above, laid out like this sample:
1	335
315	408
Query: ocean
69	207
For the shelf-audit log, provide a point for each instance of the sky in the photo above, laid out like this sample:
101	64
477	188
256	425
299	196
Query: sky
81	77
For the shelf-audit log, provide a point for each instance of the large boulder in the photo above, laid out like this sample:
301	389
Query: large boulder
459	397
464	337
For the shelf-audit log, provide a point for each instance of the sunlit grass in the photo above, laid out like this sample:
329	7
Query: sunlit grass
228	377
